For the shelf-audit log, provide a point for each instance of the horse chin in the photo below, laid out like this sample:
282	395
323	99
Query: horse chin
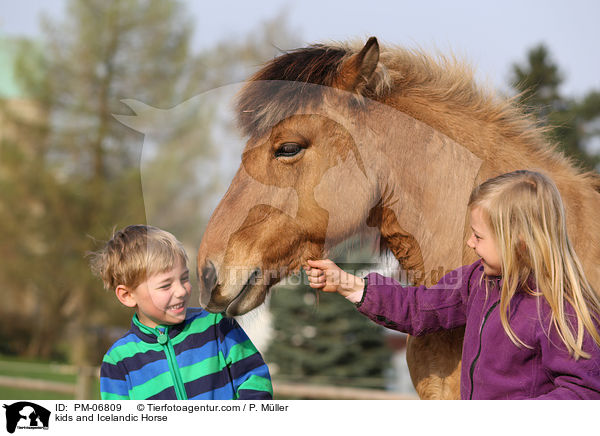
251	299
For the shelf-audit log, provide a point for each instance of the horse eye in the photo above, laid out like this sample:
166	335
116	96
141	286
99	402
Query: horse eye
288	149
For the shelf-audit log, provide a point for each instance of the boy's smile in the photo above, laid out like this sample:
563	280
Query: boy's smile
162	299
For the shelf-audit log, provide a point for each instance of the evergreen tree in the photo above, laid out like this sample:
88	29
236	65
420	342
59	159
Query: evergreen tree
321	337
571	123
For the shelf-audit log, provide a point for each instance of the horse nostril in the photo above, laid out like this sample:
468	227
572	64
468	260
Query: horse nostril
208	276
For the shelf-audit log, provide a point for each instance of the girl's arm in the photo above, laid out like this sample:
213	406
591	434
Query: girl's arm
413	310
328	277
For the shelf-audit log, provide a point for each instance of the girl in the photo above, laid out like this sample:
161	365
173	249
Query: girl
531	318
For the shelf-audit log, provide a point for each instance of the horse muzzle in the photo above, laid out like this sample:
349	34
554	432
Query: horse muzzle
236	296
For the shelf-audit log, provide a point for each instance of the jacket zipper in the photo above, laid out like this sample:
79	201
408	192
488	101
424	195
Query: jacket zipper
172	361
472	369
162	337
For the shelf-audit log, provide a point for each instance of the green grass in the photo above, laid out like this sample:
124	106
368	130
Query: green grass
11	366
38	375
7	393
22	394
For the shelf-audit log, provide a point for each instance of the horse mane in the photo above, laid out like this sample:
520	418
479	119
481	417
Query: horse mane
277	90
444	83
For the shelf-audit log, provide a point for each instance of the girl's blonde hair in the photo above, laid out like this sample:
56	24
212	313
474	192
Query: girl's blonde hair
135	253
526	214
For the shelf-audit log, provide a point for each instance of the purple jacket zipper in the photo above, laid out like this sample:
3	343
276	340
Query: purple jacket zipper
472	369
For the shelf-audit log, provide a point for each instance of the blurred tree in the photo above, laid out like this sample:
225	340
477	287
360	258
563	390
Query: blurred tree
538	81
571	123
77	175
82	172
29	189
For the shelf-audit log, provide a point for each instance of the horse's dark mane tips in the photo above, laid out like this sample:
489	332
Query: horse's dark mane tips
594	179
276	91
314	64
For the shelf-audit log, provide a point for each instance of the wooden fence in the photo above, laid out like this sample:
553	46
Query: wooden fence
81	390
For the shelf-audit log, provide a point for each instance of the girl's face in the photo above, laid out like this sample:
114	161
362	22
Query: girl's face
483	241
163	297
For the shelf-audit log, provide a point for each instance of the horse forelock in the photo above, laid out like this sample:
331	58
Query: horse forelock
289	83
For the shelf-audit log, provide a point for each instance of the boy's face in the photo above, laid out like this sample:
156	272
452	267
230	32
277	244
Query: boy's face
163	297
483	241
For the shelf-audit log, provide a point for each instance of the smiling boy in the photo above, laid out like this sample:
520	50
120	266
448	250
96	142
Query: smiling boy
171	351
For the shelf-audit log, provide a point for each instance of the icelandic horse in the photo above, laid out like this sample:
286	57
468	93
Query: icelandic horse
343	136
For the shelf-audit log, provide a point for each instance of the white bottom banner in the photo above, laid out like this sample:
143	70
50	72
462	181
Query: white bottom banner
146	418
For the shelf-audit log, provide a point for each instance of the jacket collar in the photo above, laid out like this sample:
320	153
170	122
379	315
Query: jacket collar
529	286
148	334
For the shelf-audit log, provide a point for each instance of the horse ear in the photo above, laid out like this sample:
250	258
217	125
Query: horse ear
357	71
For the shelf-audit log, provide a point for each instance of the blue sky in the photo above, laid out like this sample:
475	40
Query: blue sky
491	35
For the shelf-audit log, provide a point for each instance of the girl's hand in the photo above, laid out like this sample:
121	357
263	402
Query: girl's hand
327	276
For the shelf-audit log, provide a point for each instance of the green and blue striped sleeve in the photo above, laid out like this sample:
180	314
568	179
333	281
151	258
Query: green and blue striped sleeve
113	380
249	373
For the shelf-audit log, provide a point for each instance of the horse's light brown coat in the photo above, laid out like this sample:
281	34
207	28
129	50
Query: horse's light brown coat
389	108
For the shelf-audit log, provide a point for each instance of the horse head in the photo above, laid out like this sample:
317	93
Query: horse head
278	211
325	158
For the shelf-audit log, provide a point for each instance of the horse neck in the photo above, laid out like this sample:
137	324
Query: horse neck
424	180
505	144
493	131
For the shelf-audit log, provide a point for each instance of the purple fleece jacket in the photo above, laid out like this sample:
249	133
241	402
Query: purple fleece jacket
493	367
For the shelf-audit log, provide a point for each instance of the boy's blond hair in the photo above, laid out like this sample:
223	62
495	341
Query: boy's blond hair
527	216
135	253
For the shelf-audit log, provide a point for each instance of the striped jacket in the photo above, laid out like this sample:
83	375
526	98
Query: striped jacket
206	357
